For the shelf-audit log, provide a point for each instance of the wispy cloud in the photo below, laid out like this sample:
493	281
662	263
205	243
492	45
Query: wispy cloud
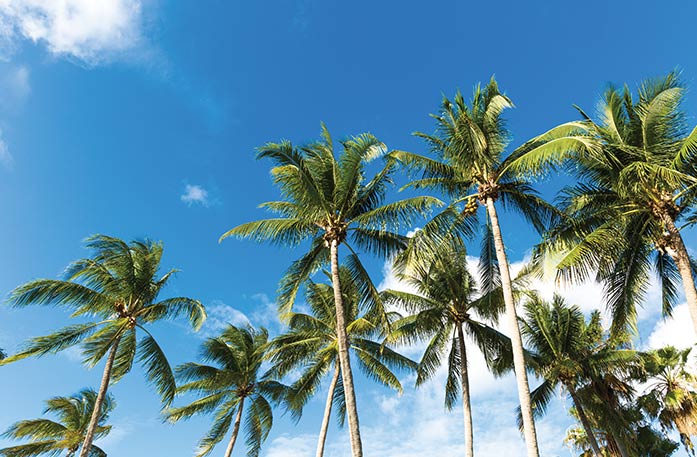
220	315
195	195
93	32
6	159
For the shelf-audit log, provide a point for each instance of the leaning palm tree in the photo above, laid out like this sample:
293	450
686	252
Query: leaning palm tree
310	345
672	393
232	380
446	307
67	434
329	200
561	344
626	214
568	351
471	166
118	289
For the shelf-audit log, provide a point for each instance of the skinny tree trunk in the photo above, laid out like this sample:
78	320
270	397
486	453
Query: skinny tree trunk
466	405
345	364
584	421
678	252
235	430
327	412
516	340
97	411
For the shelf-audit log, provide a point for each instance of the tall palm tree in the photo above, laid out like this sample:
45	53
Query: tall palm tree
310	344
224	387
446	307
471	166
672	392
67	433
118	288
329	200
626	213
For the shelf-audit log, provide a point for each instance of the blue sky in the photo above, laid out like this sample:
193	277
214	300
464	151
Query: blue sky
139	118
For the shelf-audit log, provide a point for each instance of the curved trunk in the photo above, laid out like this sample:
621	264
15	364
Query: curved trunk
96	412
516	340
235	429
678	252
345	363
327	412
584	421
466	405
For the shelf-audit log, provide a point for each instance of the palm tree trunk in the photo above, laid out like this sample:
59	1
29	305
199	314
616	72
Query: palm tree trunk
516	340
327	413
235	429
466	405
678	252
345	364
96	412
584	421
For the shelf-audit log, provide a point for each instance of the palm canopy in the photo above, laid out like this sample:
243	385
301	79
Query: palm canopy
230	374
671	395
310	344
470	144
446	298
623	218
66	434
117	289
595	368
566	349
330	198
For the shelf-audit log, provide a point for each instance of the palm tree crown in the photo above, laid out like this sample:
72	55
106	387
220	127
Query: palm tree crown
329	198
67	433
234	378
624	217
672	393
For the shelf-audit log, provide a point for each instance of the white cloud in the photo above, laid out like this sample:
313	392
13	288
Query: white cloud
220	316
195	194
676	330
6	159
91	31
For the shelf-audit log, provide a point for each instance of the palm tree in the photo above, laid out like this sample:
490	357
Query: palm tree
3	354
328	200
310	344
626	213
672	392
561	345
67	433
446	307
118	287
226	386
471	165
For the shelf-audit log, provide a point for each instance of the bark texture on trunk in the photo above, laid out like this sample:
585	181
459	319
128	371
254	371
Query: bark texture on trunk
96	412
327	412
466	404
584	421
345	363
516	340
235	429
678	252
